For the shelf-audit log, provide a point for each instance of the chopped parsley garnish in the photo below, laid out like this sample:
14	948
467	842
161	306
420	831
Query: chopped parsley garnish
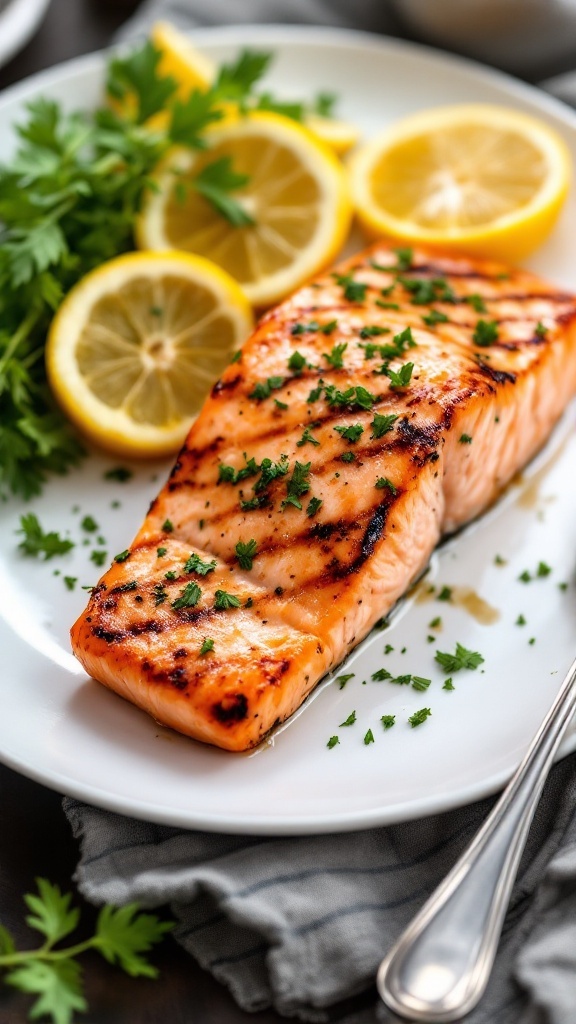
246	553
540	330
386	305
352	397
160	552
477	303
399	378
307	438
98	557
399	344
383	482
435	623
401	680
418	683
520	621
448	685
89	524
371	348
336	356
195	564
327	328
168	526
462	658
382	424
543	569
37	542
207	645
361	397
230	475
269	471
297	485
532	640
236	357
525	576
160	594
373	331
279	404
252	503
485	333
419	717
464	439
435	317
404	257
313	505
342	680
445	594
354	291
125	587
223	601
388	721
349	721
297	362
381	675
351	433
425	290
498	560
563	587
265	388
332	742
119	473
70	582
388	649
170	575
348	457
189	596
316	392
122	556
369	737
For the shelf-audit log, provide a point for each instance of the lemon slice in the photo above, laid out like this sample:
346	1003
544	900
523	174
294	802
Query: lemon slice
136	345
339	135
481	178
181	60
296	195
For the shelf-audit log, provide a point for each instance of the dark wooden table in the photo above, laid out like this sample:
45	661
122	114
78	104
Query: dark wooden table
35	838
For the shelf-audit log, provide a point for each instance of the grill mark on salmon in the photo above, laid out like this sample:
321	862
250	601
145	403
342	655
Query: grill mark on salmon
317	584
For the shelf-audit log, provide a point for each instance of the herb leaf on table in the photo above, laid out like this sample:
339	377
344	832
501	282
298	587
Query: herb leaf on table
123	936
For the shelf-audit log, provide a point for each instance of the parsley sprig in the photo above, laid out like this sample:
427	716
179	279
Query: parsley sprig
123	936
38	542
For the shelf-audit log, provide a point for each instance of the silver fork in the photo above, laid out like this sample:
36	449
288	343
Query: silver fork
439	968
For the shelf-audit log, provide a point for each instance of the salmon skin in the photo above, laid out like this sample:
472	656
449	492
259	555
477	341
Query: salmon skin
381	406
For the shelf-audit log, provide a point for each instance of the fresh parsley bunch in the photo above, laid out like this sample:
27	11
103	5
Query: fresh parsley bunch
68	201
53	975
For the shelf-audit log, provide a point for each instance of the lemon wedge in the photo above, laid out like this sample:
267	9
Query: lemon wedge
484	179
295	201
339	135
136	345
181	60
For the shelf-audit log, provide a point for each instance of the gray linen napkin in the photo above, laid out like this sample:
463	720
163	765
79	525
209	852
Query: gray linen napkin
301	924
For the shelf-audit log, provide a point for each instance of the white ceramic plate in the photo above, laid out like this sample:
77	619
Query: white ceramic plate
64	730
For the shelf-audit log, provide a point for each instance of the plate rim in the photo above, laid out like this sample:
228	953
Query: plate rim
314	37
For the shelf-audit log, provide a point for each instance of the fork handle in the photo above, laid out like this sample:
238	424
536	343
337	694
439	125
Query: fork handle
439	968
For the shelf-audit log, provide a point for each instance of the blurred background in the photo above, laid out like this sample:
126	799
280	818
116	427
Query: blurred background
534	39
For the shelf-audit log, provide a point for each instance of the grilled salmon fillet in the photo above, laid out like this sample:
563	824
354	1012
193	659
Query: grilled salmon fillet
381	406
